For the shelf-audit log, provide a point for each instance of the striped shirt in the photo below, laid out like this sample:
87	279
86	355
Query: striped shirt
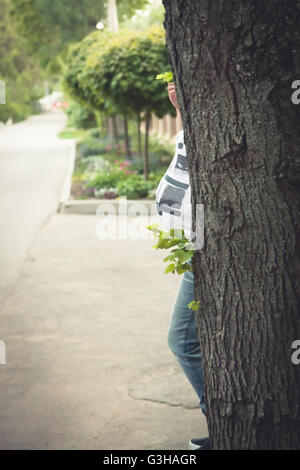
173	194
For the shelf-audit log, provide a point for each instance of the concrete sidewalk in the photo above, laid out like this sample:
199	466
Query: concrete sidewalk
33	165
88	365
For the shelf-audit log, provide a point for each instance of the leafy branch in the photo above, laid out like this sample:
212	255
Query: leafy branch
181	253
194	305
182	248
167	77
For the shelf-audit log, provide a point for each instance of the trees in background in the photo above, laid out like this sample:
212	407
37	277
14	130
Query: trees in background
127	7
35	38
234	64
115	73
21	75
75	68
124	73
151	14
49	26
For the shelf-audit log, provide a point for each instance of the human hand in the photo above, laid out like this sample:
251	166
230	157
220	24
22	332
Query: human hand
172	95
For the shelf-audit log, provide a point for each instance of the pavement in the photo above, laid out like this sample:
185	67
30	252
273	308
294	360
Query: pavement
33	164
84	319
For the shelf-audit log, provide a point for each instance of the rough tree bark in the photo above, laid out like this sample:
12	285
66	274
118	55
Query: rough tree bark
234	63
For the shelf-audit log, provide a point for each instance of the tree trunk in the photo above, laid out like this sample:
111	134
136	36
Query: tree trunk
146	153
108	126
234	64
139	136
115	129
112	16
126	138
99	121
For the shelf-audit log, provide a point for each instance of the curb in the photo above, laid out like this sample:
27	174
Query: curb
66	190
121	206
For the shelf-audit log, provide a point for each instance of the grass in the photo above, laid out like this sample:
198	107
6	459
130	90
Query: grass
72	134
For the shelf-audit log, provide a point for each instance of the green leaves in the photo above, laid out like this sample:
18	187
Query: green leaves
181	248
116	70
134	187
179	256
107	178
167	77
50	26
194	305
170	268
21	74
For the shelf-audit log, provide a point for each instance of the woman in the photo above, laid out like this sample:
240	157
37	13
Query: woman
173	201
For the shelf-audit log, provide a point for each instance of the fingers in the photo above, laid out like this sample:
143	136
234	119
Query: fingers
171	86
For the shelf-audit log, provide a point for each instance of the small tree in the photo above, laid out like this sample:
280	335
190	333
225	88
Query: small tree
123	73
80	85
83	92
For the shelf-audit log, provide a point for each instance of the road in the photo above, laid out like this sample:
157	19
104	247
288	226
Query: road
33	164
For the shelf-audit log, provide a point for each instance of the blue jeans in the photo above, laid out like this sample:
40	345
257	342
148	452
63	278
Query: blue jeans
183	336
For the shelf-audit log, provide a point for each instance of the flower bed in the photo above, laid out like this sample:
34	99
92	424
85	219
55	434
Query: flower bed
108	174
